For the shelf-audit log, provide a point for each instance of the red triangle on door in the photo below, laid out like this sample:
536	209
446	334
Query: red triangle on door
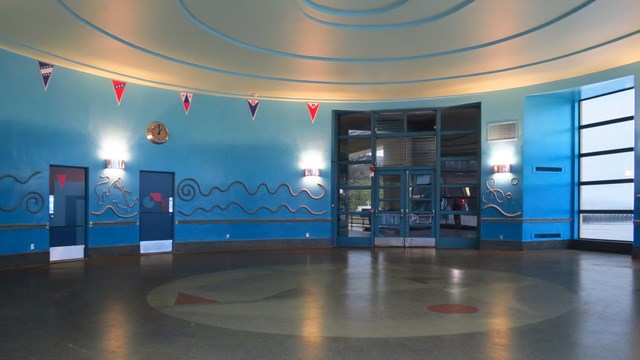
62	178
188	299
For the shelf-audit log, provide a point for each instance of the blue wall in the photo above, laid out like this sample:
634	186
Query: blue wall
217	144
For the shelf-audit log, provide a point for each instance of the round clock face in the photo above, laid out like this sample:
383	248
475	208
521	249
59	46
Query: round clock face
157	132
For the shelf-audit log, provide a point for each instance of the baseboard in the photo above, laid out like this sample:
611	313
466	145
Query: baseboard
615	247
523	245
239	245
106	251
21	260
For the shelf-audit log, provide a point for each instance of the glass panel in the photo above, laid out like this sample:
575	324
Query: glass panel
460	119
420	187
389	180
388	225
606	226
354	224
607	167
458	226
389	122
354	174
609	197
354	150
459	198
459	145
390	152
607	137
459	172
354	124
421	205
421	151
607	107
421	121
354	200
389	205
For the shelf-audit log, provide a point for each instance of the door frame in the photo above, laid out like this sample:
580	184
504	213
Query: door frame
159	245
71	252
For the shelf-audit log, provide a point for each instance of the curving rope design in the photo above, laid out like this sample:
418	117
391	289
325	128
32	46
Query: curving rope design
224	208
109	207
23	182
115	205
188	186
34	202
499	195
493	191
501	211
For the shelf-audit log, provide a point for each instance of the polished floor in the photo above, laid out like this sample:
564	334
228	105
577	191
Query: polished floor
326	304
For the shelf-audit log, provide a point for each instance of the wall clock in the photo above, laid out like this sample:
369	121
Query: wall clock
157	132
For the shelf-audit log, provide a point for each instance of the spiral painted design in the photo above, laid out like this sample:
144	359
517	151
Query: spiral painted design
23	182
187	189
34	202
250	212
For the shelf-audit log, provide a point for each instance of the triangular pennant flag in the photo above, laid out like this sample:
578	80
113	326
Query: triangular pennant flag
253	107
313	110
46	70
118	88
186	101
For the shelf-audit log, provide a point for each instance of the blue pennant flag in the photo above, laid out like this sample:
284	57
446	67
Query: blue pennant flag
46	70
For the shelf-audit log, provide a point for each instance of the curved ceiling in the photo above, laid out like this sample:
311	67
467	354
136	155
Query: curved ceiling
327	50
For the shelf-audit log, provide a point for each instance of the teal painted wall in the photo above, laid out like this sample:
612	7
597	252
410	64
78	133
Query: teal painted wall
217	143
549	128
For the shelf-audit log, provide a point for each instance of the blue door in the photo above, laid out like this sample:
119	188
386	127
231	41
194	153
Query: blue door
67	213
156	212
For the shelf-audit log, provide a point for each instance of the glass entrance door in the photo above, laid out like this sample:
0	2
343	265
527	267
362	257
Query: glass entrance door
405	208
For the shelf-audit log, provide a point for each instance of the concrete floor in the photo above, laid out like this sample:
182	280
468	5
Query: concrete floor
326	304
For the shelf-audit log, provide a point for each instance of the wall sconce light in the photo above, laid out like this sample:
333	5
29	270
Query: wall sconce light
114	164
311	172
502	168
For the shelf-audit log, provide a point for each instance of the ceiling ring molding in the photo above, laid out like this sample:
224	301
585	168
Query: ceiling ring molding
216	33
189	14
354	83
379	27
365	12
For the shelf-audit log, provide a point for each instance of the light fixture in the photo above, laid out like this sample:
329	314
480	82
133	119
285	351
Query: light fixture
502	168
311	172
114	164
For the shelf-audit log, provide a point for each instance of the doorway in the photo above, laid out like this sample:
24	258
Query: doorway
67	213
405	209
156	212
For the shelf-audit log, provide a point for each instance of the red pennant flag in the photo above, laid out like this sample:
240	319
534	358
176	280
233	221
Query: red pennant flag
186	101
118	88
313	110
253	107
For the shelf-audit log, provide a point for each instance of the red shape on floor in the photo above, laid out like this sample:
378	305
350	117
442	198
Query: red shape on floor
187	299
452	309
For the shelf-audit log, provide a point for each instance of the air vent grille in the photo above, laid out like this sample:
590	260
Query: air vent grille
502	131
